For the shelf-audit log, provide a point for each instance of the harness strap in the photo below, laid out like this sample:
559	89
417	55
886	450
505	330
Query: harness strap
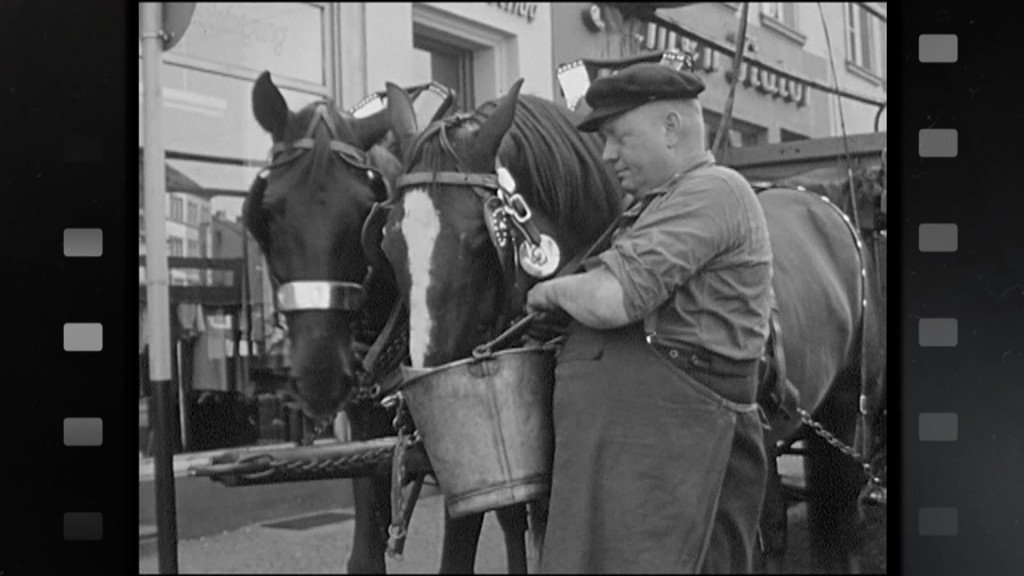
862	439
454	178
383	339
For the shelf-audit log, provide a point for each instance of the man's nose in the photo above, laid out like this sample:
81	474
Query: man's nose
609	153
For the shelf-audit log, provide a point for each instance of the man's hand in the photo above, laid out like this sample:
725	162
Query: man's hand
540	298
548	326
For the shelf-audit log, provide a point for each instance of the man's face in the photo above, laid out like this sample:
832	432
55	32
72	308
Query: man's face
635	146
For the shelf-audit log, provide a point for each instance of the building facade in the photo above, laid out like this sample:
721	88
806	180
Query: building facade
773	103
345	51
188	226
478	49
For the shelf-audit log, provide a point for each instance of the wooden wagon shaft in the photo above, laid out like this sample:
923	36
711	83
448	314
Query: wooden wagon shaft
305	463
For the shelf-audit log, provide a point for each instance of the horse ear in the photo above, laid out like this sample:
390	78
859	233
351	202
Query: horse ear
485	148
269	107
371	130
403	117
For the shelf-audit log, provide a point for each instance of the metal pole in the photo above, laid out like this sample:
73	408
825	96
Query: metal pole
741	49
157	298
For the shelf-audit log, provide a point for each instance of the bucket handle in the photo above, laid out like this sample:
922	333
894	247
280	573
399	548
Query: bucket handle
485	350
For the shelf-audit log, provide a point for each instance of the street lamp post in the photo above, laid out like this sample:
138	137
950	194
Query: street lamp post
157	296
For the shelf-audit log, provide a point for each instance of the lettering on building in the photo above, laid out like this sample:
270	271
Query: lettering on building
218	19
526	10
771	83
706	59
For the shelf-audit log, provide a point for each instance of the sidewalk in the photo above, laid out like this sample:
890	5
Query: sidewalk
324	548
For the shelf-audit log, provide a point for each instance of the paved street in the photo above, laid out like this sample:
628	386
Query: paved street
259	548
319	540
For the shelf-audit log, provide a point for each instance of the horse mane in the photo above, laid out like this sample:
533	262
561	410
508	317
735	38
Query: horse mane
558	169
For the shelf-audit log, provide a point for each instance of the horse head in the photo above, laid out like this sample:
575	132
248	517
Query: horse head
454	237
307	211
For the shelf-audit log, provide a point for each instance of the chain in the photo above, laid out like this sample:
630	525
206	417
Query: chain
400	505
820	430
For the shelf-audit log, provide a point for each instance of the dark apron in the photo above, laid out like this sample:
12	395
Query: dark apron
642	450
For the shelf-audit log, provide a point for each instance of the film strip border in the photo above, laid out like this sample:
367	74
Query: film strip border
83	431
937	518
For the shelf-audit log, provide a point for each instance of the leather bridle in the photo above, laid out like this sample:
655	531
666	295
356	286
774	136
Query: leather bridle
509	220
332	295
323	294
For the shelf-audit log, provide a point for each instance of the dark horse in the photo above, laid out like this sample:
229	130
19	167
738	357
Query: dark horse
437	239
446	264
308	214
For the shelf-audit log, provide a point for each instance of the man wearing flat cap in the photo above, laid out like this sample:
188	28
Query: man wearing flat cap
659	463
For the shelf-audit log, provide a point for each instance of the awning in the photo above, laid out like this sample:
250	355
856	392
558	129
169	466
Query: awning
176	181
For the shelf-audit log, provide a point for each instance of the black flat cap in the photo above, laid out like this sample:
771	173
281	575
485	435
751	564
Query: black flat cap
635	86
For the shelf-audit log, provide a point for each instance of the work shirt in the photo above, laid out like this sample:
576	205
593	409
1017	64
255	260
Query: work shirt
696	265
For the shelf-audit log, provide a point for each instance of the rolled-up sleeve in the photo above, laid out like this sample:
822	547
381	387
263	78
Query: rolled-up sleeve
671	241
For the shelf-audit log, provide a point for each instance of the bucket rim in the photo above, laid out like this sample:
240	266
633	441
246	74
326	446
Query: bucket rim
419	374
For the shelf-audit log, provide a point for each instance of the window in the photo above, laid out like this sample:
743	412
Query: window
883	41
193	249
208	76
740	133
449	65
784	12
205	216
175	247
860	39
193	214
285	38
176	209
781	17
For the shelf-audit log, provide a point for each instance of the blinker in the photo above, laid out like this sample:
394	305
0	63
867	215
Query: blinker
505	180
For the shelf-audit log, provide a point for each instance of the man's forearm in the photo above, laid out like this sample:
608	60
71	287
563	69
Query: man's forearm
594	299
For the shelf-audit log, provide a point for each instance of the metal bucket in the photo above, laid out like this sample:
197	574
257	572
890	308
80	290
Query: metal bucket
486	426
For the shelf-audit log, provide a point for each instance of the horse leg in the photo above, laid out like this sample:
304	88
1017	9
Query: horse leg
537	525
774	518
368	544
513	524
461	535
372	497
834	481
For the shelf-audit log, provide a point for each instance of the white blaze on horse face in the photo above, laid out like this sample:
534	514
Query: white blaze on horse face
421	225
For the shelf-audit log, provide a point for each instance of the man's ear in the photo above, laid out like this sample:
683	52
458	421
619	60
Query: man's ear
674	125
